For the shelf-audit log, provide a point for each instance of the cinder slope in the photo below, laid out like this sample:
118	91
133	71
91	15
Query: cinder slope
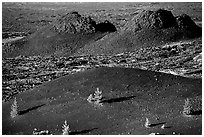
76	34
130	95
61	38
146	29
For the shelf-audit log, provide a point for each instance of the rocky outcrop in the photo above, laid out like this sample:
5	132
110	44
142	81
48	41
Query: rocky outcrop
160	19
73	22
147	19
185	22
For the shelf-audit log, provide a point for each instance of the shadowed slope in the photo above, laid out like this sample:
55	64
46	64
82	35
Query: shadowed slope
130	95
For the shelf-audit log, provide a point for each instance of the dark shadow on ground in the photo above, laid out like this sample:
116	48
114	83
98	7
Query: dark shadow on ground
29	109
153	125
82	131
120	99
197	112
168	127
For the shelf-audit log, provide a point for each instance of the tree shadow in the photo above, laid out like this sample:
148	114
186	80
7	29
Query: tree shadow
82	131
120	99
29	109
168	127
197	112
153	125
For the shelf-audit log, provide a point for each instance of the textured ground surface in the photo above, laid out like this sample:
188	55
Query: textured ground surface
131	75
130	95
23	73
81	33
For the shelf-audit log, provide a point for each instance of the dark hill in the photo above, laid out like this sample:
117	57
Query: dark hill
76	34
147	19
74	23
129	96
146	29
162	19
61	38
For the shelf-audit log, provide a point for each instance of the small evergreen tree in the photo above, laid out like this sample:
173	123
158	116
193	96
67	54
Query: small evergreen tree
98	94
96	97
65	128
14	109
90	98
147	123
187	108
163	126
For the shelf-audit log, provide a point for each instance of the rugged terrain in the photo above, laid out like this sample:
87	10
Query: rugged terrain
76	34
23	73
146	65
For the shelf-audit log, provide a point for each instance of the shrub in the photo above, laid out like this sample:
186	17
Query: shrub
14	109
65	128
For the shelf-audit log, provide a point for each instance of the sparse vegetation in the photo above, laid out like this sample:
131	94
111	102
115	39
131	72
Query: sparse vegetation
187	108
154	134
96	97
147	123
163	126
65	128
14	109
43	132
60	44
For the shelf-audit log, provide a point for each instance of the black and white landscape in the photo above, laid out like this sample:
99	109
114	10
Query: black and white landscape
102	68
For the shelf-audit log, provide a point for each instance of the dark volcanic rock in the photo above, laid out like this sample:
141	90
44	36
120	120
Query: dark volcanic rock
147	19
185	22
186	25
162	19
75	23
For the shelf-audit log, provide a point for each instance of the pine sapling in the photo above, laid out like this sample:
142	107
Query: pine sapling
163	126
98	94
14	109
96	97
65	128
147	123
90	98
187	108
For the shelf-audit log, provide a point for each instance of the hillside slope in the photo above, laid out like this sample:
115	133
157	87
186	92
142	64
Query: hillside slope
146	29
61	38
129	96
73	34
